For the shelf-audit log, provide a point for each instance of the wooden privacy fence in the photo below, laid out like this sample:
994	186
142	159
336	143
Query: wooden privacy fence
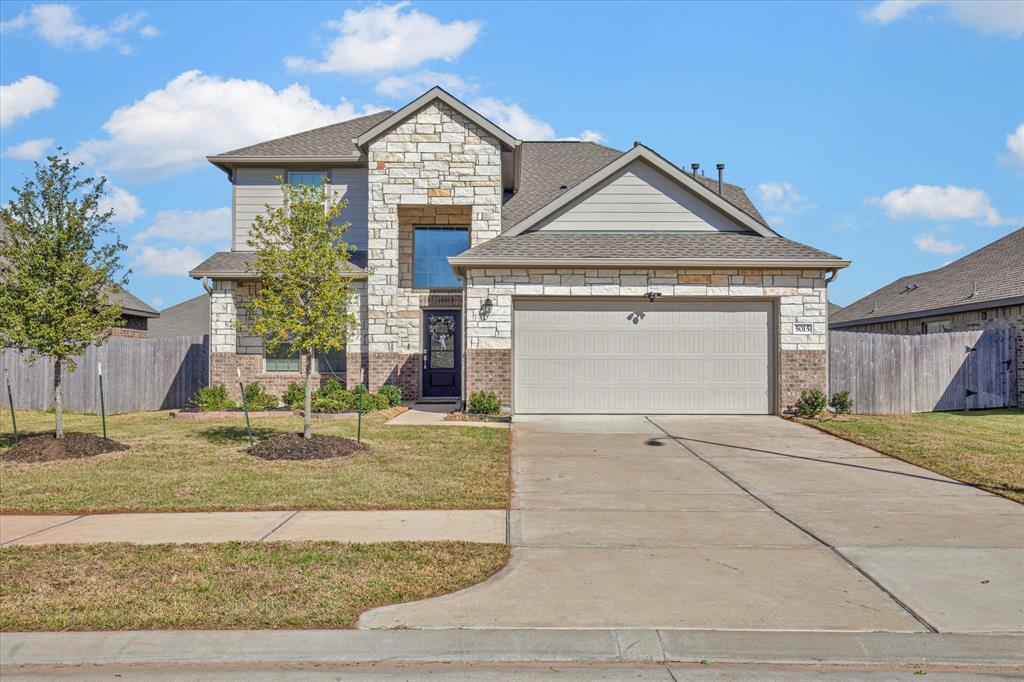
900	374
138	374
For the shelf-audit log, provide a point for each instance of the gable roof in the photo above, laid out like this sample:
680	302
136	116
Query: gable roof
240	264
328	143
188	318
993	275
642	153
130	304
434	94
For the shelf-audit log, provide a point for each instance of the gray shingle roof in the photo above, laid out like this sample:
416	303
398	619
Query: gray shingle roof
239	265
548	169
334	140
188	318
645	245
997	270
131	305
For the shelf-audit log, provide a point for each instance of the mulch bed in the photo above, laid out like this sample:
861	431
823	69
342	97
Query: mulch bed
293	446
73	445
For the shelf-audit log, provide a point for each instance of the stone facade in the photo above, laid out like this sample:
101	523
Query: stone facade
436	168
800	297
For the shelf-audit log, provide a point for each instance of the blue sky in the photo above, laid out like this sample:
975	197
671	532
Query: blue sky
889	133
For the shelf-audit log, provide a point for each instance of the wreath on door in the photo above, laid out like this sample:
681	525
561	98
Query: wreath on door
441	329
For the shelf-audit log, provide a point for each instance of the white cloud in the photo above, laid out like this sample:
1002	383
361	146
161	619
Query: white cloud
591	136
385	37
173	129
415	84
190	227
927	242
126	206
30	150
157	302
986	16
59	25
512	118
25	97
1015	147
779	196
151	260
941	203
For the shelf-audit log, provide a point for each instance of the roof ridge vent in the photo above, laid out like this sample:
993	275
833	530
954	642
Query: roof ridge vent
909	287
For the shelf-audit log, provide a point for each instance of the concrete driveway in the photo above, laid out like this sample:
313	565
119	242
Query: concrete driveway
735	523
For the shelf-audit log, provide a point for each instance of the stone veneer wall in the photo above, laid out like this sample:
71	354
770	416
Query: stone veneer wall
231	350
420	171
801	296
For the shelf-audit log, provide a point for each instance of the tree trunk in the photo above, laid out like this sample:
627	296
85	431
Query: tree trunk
307	412
58	399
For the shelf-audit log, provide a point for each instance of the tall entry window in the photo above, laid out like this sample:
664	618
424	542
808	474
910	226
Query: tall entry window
431	248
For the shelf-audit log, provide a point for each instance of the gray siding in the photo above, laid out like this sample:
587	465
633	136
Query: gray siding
352	185
640	198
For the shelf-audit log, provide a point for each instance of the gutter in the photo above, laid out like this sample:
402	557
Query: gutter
204	277
931	312
478	261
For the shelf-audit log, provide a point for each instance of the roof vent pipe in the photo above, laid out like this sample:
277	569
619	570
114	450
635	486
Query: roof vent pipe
694	167
721	176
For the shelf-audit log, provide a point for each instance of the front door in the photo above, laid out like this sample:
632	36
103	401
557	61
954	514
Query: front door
442	365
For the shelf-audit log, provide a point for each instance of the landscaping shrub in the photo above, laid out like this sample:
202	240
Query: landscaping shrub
333	397
484	402
295	396
811	403
392	393
256	399
841	403
212	398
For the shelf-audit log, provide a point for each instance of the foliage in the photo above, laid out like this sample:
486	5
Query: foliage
294	396
257	399
212	398
392	393
841	403
811	403
332	397
59	266
481	402
301	263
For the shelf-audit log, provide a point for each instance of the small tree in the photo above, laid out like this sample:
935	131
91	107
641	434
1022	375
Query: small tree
301	304
59	263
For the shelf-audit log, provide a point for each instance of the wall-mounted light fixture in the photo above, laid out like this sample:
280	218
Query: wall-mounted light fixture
485	308
652	295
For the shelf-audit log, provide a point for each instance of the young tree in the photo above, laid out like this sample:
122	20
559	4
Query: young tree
302	265
59	264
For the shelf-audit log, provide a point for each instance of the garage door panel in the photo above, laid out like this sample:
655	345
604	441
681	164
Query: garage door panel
575	356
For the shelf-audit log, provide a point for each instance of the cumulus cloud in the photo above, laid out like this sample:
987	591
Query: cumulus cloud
388	37
927	242
415	84
1015	147
152	260
512	118
985	16
24	97
781	197
127	207
191	227
30	150
173	129
941	203
58	24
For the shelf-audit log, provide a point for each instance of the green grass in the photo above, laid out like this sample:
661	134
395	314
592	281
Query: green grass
984	448
177	465
226	586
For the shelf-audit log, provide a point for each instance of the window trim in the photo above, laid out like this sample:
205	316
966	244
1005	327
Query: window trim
412	264
323	174
298	370
947	320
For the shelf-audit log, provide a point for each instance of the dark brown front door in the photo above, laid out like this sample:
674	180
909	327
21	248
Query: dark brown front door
442	360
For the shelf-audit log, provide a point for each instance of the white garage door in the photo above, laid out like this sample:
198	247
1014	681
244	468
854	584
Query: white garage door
630	357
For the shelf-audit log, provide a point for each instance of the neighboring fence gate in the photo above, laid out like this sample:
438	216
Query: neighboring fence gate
900	374
138	374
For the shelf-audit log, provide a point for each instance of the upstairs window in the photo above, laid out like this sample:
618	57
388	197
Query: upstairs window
431	248
309	178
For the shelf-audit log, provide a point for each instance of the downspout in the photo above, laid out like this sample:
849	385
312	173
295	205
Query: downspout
465	336
205	281
834	273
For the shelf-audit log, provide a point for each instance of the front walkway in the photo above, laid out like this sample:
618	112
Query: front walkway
487	525
735	523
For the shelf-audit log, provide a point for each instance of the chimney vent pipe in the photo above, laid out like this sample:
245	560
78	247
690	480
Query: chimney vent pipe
694	167
721	176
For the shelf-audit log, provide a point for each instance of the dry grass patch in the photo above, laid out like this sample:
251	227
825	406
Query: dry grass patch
174	465
984	448
227	586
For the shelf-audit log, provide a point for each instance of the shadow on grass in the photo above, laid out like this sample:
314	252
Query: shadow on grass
228	435
7	439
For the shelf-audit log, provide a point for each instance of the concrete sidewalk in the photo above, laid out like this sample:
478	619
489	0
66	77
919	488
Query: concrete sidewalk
486	525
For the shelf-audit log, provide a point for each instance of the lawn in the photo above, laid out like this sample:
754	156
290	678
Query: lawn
176	465
984	448
227	586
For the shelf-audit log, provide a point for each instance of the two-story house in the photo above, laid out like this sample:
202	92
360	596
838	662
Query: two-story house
568	277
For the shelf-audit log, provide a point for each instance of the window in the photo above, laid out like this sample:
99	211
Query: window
310	178
281	360
330	362
935	326
431	248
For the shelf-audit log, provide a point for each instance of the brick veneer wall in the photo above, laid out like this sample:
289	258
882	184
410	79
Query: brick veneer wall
129	333
800	295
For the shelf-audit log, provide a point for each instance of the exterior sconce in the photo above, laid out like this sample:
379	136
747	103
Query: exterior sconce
485	308
652	295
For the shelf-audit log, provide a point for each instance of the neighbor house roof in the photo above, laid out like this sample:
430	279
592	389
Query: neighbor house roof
644	248
131	305
188	318
239	265
833	308
991	276
334	142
